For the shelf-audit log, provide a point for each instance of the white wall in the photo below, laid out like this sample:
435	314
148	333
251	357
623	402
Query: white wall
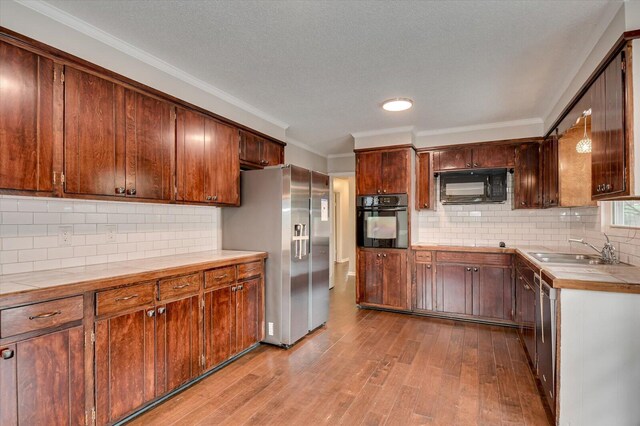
299	156
29	229
345	187
344	163
490	132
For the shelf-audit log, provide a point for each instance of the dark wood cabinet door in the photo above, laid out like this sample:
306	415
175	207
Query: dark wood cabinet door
452	159
425	290
125	364
219	325
492	156
492	292
424	181
222	181
368	169
454	288
94	135
525	313
394	177
43	380
609	145
394	289
550	195
272	153
150	146
250	148
177	344
26	120
190	156
527	186
247	314
370	277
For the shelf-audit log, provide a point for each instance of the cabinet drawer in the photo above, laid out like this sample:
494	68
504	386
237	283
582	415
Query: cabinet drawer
40	316
248	270
121	299
423	256
219	277
474	258
179	286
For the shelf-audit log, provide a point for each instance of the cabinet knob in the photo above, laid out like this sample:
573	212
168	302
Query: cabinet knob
468	164
209	197
475	269
215	197
234	288
120	190
598	188
384	255
523	203
161	310
608	187
151	313
426	204
468	269
7	353
378	191
428	266
475	165
378	255
384	191
240	287
131	191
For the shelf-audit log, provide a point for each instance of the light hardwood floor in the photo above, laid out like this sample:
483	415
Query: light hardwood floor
369	367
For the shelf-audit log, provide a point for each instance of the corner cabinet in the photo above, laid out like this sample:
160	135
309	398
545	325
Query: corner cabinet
382	279
425	182
257	152
383	171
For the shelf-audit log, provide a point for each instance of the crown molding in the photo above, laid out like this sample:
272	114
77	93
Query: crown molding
348	154
89	30
488	126
305	147
381	132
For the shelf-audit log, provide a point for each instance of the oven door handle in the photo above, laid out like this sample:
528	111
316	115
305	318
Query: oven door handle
384	209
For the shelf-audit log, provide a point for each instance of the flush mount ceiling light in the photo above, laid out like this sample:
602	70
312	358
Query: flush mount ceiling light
397	104
584	145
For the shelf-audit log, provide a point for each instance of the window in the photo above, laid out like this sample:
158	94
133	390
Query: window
626	214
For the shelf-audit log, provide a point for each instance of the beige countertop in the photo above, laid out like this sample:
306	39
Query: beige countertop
79	279
615	278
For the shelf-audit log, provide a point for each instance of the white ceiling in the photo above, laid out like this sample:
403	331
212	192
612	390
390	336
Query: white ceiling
324	67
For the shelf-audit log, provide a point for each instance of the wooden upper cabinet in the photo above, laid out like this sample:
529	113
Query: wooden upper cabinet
94	135
550	173
609	156
207	164
425	191
118	142
150	146
453	158
257	152
526	180
482	156
26	120
383	171
42	380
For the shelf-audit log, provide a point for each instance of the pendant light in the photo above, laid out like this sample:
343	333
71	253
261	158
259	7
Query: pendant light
584	144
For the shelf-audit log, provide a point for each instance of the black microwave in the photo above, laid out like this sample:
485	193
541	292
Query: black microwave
473	186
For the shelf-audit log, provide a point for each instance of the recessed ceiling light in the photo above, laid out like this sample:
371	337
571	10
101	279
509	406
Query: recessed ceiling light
397	104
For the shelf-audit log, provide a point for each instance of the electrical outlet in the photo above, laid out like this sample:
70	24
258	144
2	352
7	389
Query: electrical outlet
65	233
111	233
270	329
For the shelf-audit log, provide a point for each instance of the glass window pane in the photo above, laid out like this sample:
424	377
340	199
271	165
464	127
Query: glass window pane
626	213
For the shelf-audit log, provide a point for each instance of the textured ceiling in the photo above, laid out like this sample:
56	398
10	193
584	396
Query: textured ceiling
324	67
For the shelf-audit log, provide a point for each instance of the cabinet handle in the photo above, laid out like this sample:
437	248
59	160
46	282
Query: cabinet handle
123	299
131	191
215	197
384	255
47	315
120	190
608	187
475	165
178	287
468	164
234	288
209	197
428	266
426	204
240	287
523	203
7	353
219	277
468	269
161	310
151	313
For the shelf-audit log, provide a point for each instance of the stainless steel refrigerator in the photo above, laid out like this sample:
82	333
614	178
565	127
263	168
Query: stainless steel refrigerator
285	212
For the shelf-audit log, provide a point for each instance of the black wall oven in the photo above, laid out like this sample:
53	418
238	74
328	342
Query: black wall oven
382	221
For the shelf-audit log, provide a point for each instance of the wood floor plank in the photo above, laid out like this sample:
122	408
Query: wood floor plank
372	368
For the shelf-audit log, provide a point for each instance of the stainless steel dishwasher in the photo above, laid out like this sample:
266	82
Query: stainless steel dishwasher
546	337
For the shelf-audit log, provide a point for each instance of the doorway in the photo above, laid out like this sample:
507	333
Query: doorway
343	250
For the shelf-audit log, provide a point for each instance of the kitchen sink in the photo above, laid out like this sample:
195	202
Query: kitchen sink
581	259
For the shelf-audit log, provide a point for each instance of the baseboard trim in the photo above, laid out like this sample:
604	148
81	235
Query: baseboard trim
342	260
351	274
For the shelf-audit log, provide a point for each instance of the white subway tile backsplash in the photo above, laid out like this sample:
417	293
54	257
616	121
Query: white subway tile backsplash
29	230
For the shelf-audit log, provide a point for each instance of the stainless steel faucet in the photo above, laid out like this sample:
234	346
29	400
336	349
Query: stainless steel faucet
607	253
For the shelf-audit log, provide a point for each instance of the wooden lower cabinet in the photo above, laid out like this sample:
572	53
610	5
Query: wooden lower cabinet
231	320
125	363
425	289
454	288
525	314
382	278
42	380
